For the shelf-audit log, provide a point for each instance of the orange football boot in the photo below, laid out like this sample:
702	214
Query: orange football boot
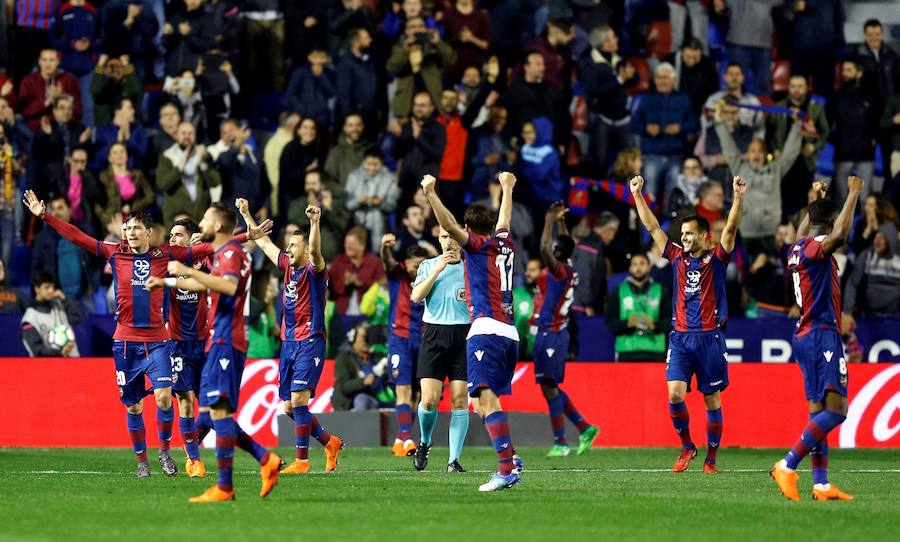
684	459
299	466
397	449
269	472
332	449
710	468
787	481
830	494
214	494
195	468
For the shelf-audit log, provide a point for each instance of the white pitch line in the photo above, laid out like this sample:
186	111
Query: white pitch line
475	471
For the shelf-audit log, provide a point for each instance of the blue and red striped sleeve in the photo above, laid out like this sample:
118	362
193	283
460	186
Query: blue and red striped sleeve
672	251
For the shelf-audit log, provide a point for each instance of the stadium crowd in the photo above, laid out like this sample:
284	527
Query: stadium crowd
115	106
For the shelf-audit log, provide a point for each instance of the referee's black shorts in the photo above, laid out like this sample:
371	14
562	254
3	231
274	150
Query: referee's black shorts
443	352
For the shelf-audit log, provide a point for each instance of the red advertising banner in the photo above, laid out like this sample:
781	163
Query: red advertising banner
764	406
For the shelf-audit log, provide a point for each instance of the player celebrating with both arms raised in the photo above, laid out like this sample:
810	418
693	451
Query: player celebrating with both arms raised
699	312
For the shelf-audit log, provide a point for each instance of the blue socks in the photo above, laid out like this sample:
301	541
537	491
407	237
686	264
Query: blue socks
816	431
302	422
226	436
164	419
682	423
204	425
556	406
459	426
189	434
713	434
138	436
427	420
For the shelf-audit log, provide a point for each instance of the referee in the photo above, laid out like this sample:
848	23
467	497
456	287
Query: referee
441	283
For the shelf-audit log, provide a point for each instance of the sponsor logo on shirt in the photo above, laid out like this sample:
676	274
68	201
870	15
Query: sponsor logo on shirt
141	270
692	285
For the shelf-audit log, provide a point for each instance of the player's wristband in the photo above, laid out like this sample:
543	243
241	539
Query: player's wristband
170	282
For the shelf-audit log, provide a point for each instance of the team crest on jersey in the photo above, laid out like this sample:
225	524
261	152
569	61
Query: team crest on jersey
692	285
157	253
707	258
461	294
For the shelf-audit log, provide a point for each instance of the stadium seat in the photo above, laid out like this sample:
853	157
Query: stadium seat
879	162
825	162
615	280
264	110
19	267
659	39
781	75
642	69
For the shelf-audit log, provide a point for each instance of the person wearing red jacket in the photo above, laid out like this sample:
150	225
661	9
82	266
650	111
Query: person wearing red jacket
39	88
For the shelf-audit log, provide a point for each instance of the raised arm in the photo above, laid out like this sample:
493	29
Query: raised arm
314	214
648	219
556	214
729	234
69	231
507	183
841	230
421	289
193	280
388	243
271	251
443	215
821	190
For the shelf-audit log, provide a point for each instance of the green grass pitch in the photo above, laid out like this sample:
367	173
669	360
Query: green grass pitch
606	494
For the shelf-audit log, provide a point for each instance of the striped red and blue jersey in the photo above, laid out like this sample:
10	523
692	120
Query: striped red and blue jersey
303	300
35	13
228	314
185	312
489	270
817	286
555	293
138	312
698	298
406	316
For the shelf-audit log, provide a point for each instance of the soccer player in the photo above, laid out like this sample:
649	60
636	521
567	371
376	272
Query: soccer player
441	284
492	345
185	316
556	285
405	335
139	341
302	333
226	347
817	342
699	312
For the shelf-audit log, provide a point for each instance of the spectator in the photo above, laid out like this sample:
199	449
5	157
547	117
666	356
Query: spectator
10	171
736	271
7	89
123	129
38	90
817	34
687	186
32	33
112	81
468	29
556	47
55	140
665	120
371	196
749	39
311	88
881	64
347	154
335	218
628	237
413	233
521	226
605	76
50	308
678	14
814	129
529	97
396	19
696	74
308	24
356	378
420	145
353	272
763	201
709	203
538	164
263	44
12	300
523	301
164	137
263	330
421	56
639	314
874	285
734	93
345	15
84	194
288	121
491	152
877	210
17	133
127	190
357	81
184	90
890	126
185	176
54	255
709	148
302	155
129	31
854	114
218	86
188	34
241	169
76	34
769	282
590	264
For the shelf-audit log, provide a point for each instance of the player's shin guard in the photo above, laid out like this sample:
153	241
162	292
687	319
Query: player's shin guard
427	421
318	432
226	436
302	421
816	431
404	422
164	419
138	436
682	423
572	412
204	425
190	437
245	442
459	426
557	419
713	434
498	429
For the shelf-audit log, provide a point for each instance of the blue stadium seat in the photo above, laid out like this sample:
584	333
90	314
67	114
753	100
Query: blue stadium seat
615	280
825	163
879	162
264	110
19	267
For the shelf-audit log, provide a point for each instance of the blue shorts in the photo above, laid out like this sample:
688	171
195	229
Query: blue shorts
221	377
403	354
702	353
491	363
134	360
300	366
551	348
820	354
187	359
